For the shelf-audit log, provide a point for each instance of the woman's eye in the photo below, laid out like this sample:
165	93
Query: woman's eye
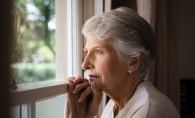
97	51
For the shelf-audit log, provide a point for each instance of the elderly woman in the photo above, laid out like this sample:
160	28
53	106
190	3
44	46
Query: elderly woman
119	48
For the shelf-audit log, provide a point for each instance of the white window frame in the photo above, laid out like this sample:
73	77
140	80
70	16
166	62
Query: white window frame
30	93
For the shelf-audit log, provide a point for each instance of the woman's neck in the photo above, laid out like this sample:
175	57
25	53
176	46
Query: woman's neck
123	93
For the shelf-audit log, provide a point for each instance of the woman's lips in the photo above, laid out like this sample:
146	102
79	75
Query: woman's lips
93	77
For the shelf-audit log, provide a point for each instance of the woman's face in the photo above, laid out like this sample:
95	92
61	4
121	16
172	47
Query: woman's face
103	64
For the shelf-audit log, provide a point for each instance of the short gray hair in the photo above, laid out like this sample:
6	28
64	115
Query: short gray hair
129	33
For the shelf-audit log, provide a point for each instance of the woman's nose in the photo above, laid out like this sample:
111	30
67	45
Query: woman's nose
87	63
84	65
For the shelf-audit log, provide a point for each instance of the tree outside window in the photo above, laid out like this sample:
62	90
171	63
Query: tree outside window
34	50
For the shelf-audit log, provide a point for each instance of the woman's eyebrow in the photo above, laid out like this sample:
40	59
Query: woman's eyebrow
97	47
109	49
94	47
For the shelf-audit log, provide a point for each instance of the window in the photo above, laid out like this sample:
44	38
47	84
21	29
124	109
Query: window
45	99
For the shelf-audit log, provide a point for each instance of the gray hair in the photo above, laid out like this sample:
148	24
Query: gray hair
129	33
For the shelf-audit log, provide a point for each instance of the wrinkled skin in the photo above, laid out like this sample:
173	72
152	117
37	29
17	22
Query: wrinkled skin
83	98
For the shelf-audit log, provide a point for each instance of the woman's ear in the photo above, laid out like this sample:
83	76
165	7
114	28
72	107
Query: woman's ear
135	63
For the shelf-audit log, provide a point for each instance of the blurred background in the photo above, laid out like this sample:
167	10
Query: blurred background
34	53
187	58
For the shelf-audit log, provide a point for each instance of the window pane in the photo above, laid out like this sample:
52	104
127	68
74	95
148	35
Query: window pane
34	52
15	112
51	108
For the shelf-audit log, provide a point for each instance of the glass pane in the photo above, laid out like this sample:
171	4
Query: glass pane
34	52
51	108
15	112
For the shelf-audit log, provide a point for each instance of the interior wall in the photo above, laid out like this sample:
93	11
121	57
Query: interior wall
187	39
187	58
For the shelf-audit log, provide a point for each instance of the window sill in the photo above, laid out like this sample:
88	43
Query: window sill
36	91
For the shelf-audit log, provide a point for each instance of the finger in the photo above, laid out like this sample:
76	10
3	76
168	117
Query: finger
71	86
96	100
80	87
97	94
70	96
84	94
69	78
80	80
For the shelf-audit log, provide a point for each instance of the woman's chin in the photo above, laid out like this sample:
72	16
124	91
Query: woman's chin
100	85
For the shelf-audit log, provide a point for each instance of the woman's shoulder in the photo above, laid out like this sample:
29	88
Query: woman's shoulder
153	102
147	88
151	94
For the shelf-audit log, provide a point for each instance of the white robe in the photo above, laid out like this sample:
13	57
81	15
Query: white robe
147	102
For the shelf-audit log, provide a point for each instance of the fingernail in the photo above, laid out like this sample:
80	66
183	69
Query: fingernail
74	92
80	100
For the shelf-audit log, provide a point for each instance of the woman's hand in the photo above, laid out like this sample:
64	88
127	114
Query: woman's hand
83	99
74	109
83	86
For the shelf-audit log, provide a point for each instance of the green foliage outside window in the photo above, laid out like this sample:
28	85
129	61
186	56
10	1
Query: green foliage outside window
32	72
34	45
